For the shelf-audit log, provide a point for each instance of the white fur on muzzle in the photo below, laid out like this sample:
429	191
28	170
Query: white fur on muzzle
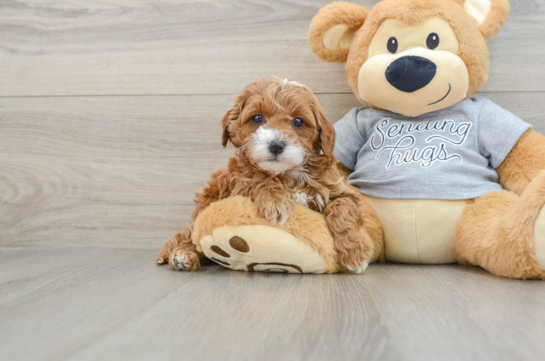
292	157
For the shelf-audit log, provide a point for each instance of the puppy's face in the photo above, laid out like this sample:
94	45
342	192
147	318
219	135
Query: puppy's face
280	123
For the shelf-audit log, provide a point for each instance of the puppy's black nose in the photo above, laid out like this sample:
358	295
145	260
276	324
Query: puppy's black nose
411	73
276	147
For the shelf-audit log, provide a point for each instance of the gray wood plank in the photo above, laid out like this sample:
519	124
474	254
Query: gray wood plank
15	262
204	47
122	171
393	312
49	314
117	305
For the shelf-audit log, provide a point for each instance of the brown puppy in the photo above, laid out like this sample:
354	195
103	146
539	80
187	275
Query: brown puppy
284	155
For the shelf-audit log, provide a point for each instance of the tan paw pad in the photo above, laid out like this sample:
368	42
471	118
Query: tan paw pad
261	248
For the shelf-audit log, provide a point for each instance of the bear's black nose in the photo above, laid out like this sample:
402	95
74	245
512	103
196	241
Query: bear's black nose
276	147
410	73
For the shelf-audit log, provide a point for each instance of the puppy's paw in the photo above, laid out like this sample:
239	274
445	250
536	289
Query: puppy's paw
359	269
172	242
182	260
354	252
276	210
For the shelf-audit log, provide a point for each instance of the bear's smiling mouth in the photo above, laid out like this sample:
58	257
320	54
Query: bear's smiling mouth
443	98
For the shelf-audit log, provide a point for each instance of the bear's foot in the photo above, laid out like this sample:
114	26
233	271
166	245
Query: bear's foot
261	248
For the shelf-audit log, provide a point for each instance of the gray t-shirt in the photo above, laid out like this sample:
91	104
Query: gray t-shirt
448	154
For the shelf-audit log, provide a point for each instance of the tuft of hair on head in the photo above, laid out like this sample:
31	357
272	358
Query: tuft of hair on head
286	81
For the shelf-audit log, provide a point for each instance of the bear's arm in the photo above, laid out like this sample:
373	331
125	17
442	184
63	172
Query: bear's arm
525	161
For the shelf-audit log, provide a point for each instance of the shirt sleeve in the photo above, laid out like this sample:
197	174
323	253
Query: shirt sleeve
499	131
349	139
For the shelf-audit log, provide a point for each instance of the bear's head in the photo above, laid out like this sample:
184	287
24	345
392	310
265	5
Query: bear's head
410	56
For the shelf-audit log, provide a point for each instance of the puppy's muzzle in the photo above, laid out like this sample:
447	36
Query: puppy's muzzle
276	147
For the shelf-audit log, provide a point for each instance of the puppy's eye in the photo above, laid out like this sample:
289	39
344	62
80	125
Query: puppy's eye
298	122
258	119
392	45
433	41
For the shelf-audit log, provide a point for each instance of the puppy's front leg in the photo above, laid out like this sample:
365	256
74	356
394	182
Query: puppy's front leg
180	252
274	204
344	219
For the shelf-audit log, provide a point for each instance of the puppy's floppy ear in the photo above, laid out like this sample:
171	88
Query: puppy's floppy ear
332	30
327	137
232	115
490	15
225	125
326	131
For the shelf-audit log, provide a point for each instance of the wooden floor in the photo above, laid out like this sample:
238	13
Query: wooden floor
109	122
106	304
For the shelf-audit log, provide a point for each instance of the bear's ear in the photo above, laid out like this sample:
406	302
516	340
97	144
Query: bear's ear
332	30
490	15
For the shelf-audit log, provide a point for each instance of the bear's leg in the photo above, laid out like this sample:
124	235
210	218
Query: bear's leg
303	241
505	233
180	252
231	233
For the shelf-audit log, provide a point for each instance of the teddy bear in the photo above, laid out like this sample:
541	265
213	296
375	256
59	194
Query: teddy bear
444	177
451	177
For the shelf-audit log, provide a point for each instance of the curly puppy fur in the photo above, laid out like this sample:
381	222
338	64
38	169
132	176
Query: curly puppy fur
343	218
180	252
305	171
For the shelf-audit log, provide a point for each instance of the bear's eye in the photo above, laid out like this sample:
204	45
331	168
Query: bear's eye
433	41
258	119
392	45
298	122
